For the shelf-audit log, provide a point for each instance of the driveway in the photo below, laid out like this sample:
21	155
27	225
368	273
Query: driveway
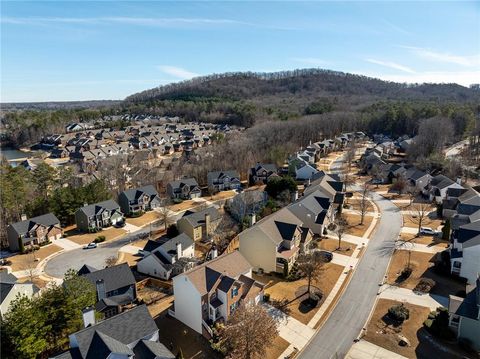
351	313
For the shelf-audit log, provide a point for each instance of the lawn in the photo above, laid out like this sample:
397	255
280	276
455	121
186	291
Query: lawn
27	261
183	206
221	195
409	220
175	335
382	332
354	227
422	265
283	291
85	238
277	348
331	245
129	258
426	240
354	204
145	219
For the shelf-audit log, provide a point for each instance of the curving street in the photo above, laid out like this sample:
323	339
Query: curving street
351	313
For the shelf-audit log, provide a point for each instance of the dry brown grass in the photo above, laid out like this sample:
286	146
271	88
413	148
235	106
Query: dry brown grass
383	333
409	221
109	233
278	346
355	205
426	240
145	219
331	245
281	290
129	258
354	227
26	261
188	204
422	266
222	195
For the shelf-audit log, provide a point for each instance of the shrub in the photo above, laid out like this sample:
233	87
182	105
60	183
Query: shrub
406	272
425	285
399	312
325	232
177	200
45	243
100	239
437	324
266	297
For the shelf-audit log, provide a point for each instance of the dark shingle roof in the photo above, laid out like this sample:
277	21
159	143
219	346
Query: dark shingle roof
146	349
170	245
150	246
286	230
5	288
221	174
115	277
47	220
93	209
136	193
441	181
198	218
6	277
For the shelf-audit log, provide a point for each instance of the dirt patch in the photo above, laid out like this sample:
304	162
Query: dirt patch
145	219
27	261
383	333
286	292
354	226
109	233
278	346
331	245
422	267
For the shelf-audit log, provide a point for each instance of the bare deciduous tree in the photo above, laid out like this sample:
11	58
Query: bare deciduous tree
164	213
111	261
420	214
341	225
364	201
248	333
311	264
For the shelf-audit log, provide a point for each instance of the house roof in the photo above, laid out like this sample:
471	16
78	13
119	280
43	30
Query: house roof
116	333
6	277
278	225
114	277
222	174
414	173
46	220
5	288
146	349
136	193
465	307
192	182
95	208
269	167
441	181
196	219
474	241
169	245
204	276
150	246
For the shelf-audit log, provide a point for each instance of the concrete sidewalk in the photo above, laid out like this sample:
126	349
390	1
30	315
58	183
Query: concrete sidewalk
406	295
367	350
418	247
66	244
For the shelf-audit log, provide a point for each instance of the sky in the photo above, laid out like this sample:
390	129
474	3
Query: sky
72	51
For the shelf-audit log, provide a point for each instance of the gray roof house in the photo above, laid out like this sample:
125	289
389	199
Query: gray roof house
131	334
224	180
186	188
262	172
198	225
314	210
140	199
98	215
33	231
115	287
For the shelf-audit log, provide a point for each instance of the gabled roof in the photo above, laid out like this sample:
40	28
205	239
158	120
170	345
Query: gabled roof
136	193
222	174
441	181
46	220
196	219
278	225
146	349
93	209
269	167
169	245
5	288
6	277
191	182
114	277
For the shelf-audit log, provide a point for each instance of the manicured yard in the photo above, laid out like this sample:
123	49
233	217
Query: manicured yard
422	266
355	204
188	204
26	261
85	238
283	291
277	348
331	245
145	219
384	333
129	258
426	240
354	226
410	221
222	195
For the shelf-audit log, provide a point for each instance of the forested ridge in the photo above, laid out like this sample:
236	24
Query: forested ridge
247	99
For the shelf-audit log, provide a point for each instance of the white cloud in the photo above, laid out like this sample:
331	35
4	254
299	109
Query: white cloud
177	72
310	61
432	55
392	65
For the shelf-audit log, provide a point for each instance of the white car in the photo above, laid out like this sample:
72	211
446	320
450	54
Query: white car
90	246
426	231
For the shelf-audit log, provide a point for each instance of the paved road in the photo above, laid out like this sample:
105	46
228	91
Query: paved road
351	313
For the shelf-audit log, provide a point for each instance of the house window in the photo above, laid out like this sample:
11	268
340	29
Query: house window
457	264
455	321
233	307
234	291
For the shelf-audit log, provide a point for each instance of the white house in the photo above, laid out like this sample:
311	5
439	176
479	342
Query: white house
10	289
167	258
438	186
465	251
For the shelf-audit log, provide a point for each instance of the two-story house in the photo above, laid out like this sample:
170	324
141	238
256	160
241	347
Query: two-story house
10	289
465	251
213	291
115	287
201	224
136	200
33	231
132	334
167	257
261	173
438	186
224	180
186	188
275	241
98	215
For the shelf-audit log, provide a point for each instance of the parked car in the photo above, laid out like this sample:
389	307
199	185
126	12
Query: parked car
427	231
90	245
325	255
120	224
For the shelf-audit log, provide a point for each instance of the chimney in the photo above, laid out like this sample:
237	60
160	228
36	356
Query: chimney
308	183
459	180
179	250
100	284
207	224
252	219
293	196
214	252
88	315
24	217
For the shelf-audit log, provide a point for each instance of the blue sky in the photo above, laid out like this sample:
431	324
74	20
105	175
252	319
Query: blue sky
63	51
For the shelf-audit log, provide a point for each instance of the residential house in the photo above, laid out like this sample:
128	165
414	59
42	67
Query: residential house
199	225
249	202
460	203
98	215
315	211
438	186
168	257
330	186
262	172
10	289
274	243
465	315
417	180
186	188
132	334
211	292
33	231
224	180
465	251
137	200
115	287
